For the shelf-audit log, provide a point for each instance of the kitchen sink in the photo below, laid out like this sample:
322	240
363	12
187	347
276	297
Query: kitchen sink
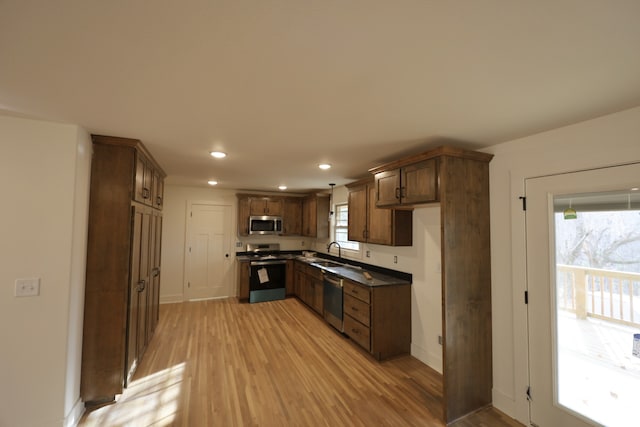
327	264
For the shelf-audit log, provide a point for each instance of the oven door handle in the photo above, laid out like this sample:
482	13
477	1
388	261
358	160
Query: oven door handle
280	262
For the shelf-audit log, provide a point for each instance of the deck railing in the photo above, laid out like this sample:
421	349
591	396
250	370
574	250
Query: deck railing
598	293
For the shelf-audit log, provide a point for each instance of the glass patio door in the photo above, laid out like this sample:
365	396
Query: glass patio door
583	265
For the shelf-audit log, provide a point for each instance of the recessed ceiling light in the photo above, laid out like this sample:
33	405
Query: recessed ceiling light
282	187
212	182
218	154
324	166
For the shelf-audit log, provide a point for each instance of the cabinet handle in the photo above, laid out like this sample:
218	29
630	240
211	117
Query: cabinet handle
403	191
158	200
145	193
141	285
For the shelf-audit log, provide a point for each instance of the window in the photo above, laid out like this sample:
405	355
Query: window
341	233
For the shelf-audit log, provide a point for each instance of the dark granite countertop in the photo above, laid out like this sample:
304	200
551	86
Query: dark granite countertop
348	269
355	272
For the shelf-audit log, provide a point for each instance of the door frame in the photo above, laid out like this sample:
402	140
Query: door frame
518	177
598	179
186	258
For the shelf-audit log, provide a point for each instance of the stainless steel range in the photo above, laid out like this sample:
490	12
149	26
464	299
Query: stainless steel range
267	272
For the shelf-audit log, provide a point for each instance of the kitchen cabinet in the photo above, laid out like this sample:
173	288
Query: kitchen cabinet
243	275
265	206
462	190
243	216
309	285
123	266
408	185
149	182
158	189
378	318
292	216
315	216
290	277
370	224
289	208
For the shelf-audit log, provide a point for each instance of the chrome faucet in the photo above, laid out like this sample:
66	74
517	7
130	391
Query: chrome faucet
339	248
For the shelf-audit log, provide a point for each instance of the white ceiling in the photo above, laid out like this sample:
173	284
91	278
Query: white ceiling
284	85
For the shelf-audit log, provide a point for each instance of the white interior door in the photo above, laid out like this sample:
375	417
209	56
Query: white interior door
209	273
573	386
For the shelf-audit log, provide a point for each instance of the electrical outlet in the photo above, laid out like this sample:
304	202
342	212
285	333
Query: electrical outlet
395	259
368	254
440	339
27	287
302	244
238	244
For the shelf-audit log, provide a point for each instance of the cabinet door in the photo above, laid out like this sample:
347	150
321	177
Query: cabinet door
243	216
143	289
138	194
144	181
299	279
290	280
154	300
309	217
257	207
158	190
357	199
419	182
243	280
388	188
147	190
292	217
265	206
273	207
138	288
134	283
379	223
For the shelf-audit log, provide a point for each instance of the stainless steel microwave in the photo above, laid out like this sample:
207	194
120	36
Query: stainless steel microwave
265	225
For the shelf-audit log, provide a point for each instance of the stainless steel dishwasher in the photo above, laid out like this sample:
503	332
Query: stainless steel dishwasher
332	293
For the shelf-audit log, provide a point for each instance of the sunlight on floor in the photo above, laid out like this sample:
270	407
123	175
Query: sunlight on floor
152	400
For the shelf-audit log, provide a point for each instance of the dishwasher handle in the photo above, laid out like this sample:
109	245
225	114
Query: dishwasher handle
333	280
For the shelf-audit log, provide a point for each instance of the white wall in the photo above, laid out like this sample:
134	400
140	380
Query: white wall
606	141
44	177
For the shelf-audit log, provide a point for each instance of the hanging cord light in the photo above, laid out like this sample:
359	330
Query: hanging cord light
570	213
331	201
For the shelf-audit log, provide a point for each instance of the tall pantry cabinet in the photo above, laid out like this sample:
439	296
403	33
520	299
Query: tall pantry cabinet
123	265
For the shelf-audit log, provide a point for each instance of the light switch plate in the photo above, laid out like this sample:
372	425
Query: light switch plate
27	287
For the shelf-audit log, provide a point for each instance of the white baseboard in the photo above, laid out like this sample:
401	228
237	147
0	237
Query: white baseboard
504	403
431	360
73	418
170	299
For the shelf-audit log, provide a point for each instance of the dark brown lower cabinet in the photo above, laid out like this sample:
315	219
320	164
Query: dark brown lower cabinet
378	318
309	286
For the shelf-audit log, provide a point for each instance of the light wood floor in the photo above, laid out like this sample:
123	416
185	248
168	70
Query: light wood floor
222	363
